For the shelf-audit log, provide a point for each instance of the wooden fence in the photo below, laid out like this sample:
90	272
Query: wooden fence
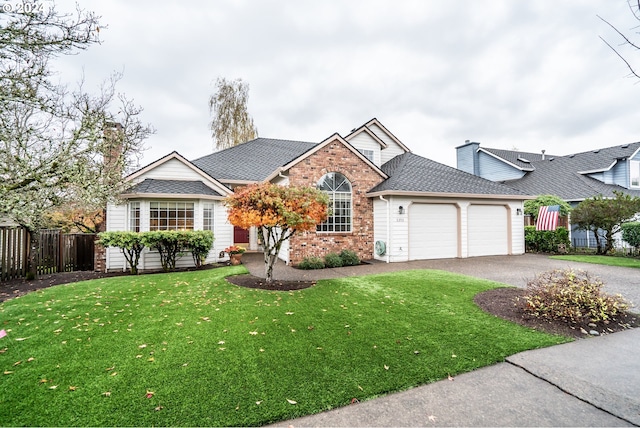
56	252
14	252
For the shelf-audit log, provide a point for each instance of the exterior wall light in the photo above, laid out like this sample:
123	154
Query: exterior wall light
400	209
518	211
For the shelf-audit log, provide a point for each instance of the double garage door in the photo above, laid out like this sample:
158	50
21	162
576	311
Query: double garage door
434	231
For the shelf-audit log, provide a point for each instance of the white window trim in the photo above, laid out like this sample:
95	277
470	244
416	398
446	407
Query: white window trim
633	163
331	195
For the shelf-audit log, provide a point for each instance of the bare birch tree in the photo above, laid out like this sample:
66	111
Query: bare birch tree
634	7
231	123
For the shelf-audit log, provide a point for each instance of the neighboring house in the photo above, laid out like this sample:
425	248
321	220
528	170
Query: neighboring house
387	203
574	177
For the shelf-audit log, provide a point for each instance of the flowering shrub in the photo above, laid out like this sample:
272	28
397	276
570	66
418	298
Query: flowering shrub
572	296
235	249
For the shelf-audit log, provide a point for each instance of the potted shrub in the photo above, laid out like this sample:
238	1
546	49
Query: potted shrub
235	254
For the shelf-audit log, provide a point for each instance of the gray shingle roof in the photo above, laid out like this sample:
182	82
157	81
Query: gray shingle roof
254	160
150	185
518	158
412	173
558	175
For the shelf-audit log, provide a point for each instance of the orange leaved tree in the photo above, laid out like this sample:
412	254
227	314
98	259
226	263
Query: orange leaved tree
278	212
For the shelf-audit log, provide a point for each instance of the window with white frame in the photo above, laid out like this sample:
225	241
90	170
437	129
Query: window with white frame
635	173
207	216
367	153
171	216
338	188
134	216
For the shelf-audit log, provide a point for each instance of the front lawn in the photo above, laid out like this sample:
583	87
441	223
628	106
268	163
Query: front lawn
190	349
602	260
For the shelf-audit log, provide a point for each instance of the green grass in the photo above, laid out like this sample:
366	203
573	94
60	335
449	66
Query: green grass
602	260
190	349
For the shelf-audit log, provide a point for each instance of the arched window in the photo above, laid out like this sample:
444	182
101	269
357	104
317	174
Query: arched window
338	188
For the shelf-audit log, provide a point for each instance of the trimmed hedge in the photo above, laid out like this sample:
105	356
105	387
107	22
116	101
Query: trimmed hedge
169	243
545	241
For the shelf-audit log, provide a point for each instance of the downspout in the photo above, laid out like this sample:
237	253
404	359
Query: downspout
388	227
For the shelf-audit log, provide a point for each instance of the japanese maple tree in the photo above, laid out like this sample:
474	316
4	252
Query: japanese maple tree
278	212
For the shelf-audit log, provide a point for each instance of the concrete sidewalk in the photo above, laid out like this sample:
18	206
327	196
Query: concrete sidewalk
589	382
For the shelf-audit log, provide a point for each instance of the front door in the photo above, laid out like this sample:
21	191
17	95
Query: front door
240	235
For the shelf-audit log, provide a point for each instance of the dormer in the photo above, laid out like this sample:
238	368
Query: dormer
376	143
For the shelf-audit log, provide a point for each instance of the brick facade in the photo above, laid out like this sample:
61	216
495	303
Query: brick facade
336	157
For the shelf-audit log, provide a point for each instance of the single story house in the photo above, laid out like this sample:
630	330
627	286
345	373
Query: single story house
573	177
387	202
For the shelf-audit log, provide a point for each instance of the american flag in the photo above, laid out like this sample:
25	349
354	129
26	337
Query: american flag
548	217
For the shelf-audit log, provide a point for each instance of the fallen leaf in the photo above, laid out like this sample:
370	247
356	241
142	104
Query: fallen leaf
144	345
114	373
292	402
151	360
53	386
72	388
8	372
30	359
258	402
432	418
386	367
21	339
17	363
453	355
108	369
107	394
288	313
149	394
449	377
43	381
221	342
139	356
157	409
253	333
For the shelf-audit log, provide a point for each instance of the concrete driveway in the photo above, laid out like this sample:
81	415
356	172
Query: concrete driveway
512	270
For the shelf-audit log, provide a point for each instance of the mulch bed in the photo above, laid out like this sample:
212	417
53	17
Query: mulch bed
501	302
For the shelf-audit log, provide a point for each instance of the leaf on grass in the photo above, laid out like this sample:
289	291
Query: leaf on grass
108	369
30	359
20	339
107	394
43	381
449	377
221	342
144	345
221	349
72	388
139	356
291	401
151	360
253	333
157	409
386	367
149	394
114	373
7	372
360	388
288	313
453	355
53	386
17	363
258	402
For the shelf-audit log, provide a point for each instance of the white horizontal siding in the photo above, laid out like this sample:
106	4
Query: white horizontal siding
380	226
364	141
392	150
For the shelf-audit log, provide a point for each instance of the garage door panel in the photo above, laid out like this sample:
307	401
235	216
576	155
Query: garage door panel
433	231
487	230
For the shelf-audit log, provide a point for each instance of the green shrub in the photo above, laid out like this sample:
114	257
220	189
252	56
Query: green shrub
631	233
333	260
130	243
572	296
545	241
200	243
311	263
169	243
349	258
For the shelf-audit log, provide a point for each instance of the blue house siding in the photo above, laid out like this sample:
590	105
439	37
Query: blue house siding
467	158
496	170
620	174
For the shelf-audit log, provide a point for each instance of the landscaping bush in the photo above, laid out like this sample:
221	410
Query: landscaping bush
572	296
349	258
311	263
169	243
333	260
545	241
631	233
200	243
130	243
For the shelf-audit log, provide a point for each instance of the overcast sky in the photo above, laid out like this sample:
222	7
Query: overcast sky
512	74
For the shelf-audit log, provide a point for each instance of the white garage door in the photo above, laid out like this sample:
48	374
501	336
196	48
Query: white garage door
433	231
487	230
